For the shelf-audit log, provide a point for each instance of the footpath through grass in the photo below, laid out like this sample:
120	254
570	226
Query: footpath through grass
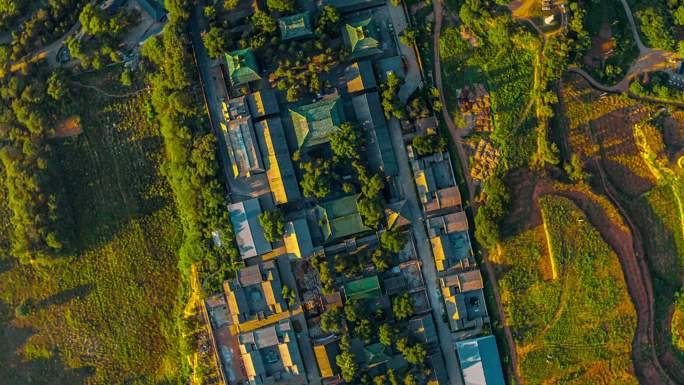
107	316
566	300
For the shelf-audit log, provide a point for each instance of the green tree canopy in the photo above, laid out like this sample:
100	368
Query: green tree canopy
273	225
429	144
402	306
346	141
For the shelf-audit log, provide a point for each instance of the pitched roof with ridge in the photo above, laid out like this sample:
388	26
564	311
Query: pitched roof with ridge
360	76
277	160
325	357
397	214
255	293
242	67
376	354
364	288
248	231
298	238
362	37
295	26
380	150
313	123
340	218
480	364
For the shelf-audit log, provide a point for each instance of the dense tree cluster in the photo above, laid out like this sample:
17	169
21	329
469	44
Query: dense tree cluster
273	225
429	144
656	28
391	104
191	166
492	212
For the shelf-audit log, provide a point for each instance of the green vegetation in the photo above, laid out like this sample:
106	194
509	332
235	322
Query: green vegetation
490	214
391	104
568	307
272	222
402	306
657	88
429	144
656	28
112	307
191	166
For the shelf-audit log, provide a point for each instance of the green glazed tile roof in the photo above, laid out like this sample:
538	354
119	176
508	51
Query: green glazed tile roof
242	67
340	218
362	37
314	122
364	288
295	26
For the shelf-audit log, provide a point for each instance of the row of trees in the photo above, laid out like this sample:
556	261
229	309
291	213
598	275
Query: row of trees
191	167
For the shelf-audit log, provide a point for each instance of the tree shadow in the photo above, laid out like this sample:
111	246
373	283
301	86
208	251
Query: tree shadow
65	296
16	370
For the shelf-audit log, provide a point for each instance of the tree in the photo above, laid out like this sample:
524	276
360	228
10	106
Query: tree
56	86
280	5
575	170
346	141
429	144
350	313
263	22
678	15
273	225
364	330
328	20
289	295
230	4
347	365
410	379
316	181
386	334
393	241
215	42
486	228
402	306
126	77
331	321
408	36
379	259
391	104
210	12
380	379
415	354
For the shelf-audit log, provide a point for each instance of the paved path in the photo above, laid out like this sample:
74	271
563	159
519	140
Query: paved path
437	4
197	22
437	7
649	60
413	76
425	253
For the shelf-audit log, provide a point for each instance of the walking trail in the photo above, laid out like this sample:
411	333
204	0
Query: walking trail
453	130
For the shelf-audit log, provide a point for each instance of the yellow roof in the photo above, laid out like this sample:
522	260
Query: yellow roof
323	361
438	252
292	245
421	181
273	174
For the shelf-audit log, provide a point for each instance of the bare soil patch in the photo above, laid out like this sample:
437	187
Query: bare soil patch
70	126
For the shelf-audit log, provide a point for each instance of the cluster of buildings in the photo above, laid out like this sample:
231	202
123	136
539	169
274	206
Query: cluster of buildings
266	322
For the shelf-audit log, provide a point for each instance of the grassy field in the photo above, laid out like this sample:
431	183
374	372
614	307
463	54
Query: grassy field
566	300
107	315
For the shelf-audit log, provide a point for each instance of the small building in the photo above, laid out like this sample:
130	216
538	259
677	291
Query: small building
450	241
255	294
436	183
362	36
397	215
313	123
296	26
262	103
340	218
242	67
392	64
326	353
248	231
363	289
370	116
423	329
439	375
480	363
238	131
277	161
464	300
370	356
270	354
353	5
360	76
298	238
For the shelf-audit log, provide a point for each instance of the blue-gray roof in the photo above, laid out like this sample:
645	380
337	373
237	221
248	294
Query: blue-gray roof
480	362
248	231
378	141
